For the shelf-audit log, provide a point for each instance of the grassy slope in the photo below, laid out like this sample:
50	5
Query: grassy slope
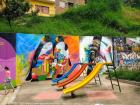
133	16
83	20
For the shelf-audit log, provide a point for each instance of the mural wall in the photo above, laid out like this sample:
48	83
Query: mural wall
127	52
54	55
7	55
48	56
26	45
95	49
45	56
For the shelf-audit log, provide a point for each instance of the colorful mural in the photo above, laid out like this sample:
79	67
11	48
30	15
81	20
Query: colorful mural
48	56
55	55
127	52
26	44
7	56
95	49
45	56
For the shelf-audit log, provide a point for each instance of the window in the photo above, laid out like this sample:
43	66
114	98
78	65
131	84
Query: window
42	9
70	4
62	4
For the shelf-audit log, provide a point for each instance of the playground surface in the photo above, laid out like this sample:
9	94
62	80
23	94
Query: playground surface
43	93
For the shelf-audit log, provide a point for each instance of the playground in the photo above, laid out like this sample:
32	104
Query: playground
58	69
92	94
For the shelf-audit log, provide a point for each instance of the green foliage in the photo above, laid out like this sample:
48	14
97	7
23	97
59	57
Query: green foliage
34	19
9	87
94	9
138	77
98	17
127	74
107	14
116	21
133	3
14	9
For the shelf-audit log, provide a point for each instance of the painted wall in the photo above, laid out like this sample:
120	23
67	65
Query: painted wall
127	52
57	52
34	52
7	56
96	49
26	45
28	54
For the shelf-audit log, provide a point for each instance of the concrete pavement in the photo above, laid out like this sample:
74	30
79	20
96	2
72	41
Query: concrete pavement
43	93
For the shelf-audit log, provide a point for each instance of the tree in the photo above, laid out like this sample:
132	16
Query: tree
14	9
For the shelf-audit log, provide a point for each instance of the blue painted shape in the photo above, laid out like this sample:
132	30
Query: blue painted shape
66	74
39	62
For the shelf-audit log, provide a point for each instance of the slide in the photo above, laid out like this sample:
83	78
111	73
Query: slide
67	73
94	72
72	78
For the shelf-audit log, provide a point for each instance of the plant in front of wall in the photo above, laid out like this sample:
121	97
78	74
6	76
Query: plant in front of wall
14	9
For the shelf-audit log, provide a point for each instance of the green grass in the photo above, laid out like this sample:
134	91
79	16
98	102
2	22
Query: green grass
2	85
128	75
99	17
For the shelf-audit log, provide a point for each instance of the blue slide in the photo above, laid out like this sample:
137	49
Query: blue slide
66	74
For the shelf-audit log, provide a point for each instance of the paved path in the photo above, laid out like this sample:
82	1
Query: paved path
4	99
92	94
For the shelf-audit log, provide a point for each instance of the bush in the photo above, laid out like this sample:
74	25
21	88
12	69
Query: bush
137	78
94	9
34	20
127	74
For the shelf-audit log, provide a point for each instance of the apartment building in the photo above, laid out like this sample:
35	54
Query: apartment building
45	7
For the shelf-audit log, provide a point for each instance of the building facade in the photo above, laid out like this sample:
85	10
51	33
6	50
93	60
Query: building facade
1	5
50	7
62	5
45	7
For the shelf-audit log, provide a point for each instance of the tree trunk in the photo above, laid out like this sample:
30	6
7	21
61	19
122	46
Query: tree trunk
9	22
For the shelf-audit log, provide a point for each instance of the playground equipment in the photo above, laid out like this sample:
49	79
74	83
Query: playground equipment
61	68
97	78
72	78
66	74
112	67
94	72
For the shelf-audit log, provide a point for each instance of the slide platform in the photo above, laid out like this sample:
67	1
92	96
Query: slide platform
69	80
67	73
94	72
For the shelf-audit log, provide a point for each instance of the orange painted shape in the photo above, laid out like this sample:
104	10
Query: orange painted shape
74	77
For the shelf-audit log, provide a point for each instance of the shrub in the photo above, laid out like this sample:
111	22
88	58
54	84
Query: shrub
94	9
127	74
137	78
